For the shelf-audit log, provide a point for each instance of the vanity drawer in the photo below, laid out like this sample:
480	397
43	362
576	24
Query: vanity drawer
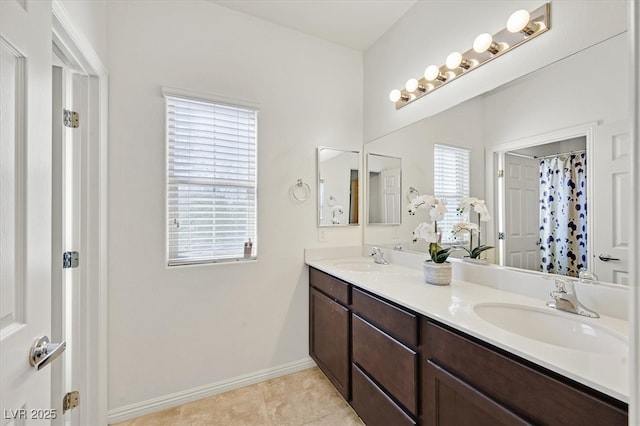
399	323
387	361
532	392
331	286
373	405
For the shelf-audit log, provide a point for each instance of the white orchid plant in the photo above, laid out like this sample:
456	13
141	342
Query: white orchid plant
472	205
428	231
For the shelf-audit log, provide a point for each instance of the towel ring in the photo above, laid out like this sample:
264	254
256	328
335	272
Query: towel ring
300	190
412	193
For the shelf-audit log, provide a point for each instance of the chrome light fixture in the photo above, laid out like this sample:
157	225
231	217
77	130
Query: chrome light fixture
522	26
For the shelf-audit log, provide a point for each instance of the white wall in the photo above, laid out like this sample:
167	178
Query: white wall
430	31
90	17
592	85
173	329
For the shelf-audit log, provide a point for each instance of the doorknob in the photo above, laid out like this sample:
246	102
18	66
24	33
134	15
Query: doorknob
607	257
43	352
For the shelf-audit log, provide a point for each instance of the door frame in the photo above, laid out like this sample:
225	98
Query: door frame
494	160
73	44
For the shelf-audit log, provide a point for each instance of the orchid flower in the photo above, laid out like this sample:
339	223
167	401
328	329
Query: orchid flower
428	231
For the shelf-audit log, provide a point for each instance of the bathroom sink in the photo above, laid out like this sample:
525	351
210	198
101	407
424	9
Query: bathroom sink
555	329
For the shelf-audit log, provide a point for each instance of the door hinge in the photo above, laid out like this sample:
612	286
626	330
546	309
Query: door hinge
70	259
501	235
71	119
500	173
70	401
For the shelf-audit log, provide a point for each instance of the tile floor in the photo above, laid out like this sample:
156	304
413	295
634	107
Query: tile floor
303	398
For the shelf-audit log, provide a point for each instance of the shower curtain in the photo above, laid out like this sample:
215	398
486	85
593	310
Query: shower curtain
563	214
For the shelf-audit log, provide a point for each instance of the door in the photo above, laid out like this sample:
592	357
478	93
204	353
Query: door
521	212
25	208
391	195
329	339
452	401
612	190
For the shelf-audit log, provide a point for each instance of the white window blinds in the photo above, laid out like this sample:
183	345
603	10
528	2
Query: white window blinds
451	184
211	181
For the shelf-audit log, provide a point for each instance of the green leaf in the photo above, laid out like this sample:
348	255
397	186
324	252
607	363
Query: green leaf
438	254
476	251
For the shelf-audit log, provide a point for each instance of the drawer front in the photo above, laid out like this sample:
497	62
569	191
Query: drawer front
399	323
373	405
331	286
387	361
535	395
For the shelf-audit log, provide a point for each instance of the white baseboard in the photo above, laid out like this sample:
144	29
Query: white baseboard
128	412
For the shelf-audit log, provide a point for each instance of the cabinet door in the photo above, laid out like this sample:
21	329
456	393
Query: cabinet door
537	395
329	339
453	402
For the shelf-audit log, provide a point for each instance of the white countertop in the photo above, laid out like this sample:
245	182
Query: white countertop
453	306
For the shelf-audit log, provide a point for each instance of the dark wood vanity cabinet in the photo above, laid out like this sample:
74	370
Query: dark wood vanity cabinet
329	328
467	382
398	368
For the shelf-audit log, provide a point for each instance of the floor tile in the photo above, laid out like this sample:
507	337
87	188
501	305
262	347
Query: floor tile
303	398
240	407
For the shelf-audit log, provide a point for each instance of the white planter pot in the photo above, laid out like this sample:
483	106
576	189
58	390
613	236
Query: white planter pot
475	260
437	273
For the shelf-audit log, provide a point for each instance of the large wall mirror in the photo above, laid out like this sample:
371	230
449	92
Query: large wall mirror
338	187
384	181
548	122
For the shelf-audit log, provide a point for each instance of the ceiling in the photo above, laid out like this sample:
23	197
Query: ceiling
356	24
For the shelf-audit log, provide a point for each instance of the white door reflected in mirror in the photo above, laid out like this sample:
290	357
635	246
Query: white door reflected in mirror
384	183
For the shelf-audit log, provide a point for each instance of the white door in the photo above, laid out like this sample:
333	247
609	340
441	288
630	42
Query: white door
391	195
521	212
25	208
611	204
68	287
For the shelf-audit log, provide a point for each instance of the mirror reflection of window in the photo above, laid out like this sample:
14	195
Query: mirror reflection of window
451	185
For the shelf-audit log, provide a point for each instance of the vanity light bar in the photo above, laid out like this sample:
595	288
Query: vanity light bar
522	26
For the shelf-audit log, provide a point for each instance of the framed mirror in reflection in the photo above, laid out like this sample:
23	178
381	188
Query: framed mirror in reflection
338	187
384	185
552	123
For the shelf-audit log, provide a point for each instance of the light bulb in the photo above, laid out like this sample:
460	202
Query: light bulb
482	43
432	72
395	95
453	60
411	85
518	21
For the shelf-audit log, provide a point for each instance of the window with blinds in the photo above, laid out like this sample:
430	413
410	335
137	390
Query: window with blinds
451	185
211	181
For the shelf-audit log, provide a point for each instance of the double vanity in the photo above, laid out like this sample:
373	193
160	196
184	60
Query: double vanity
403	352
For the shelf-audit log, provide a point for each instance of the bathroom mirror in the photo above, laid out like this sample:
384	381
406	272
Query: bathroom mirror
551	105
384	181
338	187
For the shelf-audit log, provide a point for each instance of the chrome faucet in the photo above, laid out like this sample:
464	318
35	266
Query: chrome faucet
587	277
378	257
565	299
